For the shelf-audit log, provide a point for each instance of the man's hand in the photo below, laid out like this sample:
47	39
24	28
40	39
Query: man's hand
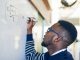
30	25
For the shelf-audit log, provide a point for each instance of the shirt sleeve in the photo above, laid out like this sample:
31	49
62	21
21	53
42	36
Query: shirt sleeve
30	51
29	37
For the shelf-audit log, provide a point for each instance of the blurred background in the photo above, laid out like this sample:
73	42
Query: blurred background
13	17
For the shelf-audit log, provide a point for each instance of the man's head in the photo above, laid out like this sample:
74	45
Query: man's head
61	34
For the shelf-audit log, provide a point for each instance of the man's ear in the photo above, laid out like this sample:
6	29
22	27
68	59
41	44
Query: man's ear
56	38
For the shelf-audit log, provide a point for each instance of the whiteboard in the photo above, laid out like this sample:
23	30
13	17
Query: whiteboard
13	28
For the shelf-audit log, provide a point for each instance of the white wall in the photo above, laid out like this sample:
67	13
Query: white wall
13	28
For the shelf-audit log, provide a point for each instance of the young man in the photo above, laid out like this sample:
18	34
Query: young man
58	37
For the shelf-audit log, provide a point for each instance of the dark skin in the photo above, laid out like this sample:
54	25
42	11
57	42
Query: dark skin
53	41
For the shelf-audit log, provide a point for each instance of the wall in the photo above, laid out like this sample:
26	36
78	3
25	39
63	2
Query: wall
13	15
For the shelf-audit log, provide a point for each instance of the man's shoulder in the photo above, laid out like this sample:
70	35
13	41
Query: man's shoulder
64	55
69	56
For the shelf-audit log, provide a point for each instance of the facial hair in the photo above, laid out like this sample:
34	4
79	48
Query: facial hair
49	43
43	44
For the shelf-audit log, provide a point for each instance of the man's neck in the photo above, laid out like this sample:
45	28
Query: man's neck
53	50
58	51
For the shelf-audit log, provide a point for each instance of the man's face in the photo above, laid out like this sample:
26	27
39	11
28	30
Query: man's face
50	35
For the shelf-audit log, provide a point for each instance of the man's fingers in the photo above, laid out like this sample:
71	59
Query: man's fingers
31	20
28	21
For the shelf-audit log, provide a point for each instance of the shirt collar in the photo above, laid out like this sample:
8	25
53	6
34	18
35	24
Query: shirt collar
58	51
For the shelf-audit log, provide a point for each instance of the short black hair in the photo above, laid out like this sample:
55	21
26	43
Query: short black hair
70	28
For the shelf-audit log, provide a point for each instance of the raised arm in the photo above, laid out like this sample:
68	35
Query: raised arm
30	51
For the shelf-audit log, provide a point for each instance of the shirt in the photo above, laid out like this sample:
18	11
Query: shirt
31	54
